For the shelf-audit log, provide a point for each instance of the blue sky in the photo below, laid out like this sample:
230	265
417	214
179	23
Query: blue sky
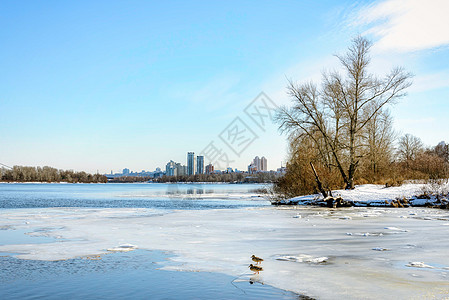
92	85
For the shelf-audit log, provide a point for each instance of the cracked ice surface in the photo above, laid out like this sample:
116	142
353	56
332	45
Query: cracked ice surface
326	253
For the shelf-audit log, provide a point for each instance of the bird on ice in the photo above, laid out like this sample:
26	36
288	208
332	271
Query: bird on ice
256	259
255	269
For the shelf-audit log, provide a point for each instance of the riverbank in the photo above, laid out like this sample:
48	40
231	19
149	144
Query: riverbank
367	195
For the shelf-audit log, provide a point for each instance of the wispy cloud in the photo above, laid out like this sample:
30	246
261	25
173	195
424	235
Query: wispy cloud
406	25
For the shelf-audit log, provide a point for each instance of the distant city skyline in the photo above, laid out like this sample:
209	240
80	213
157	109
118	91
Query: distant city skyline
89	86
195	166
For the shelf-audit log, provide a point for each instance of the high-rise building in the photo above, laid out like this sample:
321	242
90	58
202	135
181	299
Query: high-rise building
125	171
190	163
209	169
175	169
263	164
200	164
256	163
170	169
181	169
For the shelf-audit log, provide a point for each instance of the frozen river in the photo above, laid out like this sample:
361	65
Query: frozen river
353	253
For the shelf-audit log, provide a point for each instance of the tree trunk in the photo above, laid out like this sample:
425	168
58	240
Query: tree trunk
339	166
318	182
351	171
352	163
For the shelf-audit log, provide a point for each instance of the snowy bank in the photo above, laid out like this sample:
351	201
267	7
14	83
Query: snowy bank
379	195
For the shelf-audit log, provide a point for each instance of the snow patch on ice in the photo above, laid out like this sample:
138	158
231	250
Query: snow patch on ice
392	228
380	249
123	248
419	264
365	234
302	258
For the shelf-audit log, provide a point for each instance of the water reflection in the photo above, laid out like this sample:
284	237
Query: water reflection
195	191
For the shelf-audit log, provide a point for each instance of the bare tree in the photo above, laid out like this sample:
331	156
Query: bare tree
442	150
336	114
378	140
409	147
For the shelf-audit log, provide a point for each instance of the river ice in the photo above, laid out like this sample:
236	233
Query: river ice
326	253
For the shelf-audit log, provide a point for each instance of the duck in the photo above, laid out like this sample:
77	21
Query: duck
255	269
256	259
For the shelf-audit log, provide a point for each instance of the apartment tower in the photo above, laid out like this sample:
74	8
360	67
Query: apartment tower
190	163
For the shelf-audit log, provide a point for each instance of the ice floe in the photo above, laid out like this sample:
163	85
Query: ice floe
419	264
392	228
302	258
380	249
123	248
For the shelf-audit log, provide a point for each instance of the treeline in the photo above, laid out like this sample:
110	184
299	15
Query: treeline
340	133
48	174
263	177
414	161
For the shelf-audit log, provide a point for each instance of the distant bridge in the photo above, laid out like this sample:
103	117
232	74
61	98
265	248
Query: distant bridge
3	165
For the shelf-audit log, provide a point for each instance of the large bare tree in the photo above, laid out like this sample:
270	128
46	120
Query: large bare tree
336	114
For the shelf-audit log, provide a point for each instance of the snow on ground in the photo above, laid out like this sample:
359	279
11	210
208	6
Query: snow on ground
348	253
374	194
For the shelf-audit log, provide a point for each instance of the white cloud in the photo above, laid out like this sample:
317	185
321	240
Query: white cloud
406	25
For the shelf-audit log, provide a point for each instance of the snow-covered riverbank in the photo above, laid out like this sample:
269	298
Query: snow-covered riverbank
379	195
348	253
